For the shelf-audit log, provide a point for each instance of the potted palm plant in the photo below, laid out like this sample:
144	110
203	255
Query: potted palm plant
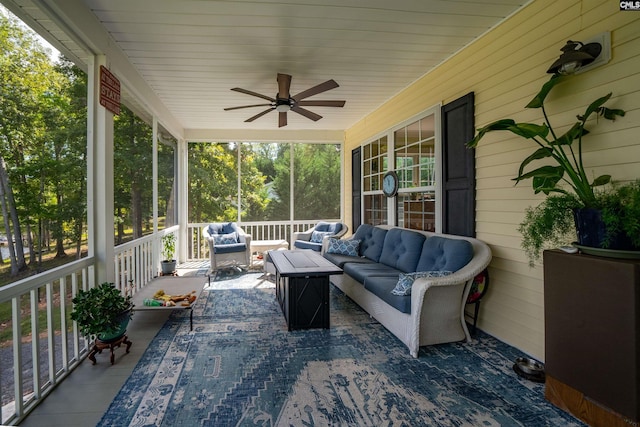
102	312
168	251
602	213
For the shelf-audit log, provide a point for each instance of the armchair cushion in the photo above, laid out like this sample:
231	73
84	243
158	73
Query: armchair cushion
317	236
230	248
222	228
225	239
330	227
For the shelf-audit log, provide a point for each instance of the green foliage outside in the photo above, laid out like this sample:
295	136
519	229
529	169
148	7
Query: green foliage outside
265	179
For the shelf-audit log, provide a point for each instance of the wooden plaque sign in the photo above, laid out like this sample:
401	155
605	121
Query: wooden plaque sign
109	90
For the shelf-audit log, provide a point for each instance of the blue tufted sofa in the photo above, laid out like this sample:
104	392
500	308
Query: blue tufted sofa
433	312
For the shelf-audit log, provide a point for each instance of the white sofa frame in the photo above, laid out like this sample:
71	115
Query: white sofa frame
437	304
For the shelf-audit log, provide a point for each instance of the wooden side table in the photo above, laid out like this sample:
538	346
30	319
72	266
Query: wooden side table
98	346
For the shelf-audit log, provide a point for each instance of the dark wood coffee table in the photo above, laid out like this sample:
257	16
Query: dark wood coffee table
302	287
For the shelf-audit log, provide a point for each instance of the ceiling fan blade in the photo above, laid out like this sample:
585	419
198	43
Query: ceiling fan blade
257	116
249	92
321	103
322	87
284	85
308	114
282	119
247	106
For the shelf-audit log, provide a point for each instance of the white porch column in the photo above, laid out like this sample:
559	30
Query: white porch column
182	188
100	204
154	174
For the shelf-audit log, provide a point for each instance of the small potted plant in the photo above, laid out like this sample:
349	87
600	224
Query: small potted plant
168	251
593	208
102	312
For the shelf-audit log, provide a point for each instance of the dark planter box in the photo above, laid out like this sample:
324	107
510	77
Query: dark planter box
592	322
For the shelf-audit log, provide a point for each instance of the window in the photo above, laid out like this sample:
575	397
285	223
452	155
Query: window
375	161
412	151
275	181
415	165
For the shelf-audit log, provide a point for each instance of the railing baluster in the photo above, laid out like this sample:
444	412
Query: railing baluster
35	344
17	357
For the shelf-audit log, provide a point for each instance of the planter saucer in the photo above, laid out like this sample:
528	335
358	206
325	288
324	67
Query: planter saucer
610	253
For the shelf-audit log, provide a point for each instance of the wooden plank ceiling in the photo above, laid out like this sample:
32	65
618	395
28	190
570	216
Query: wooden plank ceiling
192	53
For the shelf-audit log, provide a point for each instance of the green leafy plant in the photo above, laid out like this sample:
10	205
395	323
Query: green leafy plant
550	224
621	212
168	246
565	150
101	309
563	178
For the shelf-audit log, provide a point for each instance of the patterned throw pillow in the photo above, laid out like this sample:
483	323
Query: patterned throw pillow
317	236
343	247
225	239
405	281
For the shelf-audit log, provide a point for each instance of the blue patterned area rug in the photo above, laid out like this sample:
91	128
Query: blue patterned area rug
240	367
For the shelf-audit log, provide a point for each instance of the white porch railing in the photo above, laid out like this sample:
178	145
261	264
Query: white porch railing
137	261
40	306
198	249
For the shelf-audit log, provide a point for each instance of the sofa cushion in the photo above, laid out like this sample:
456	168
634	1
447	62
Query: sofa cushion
371	241
340	260
405	281
402	249
441	253
344	247
225	239
381	286
360	271
317	236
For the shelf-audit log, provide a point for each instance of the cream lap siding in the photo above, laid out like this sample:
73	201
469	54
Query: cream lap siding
505	68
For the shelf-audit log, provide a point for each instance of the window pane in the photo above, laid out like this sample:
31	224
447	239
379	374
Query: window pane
316	181
257	181
413	133
427	127
133	181
417	211
427	164
375	209
213	182
166	185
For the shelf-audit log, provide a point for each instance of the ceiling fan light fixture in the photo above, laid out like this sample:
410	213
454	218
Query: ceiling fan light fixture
283	108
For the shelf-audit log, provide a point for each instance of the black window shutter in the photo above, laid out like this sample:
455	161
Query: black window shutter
356	191
458	167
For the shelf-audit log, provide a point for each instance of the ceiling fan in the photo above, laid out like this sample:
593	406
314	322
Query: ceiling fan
284	102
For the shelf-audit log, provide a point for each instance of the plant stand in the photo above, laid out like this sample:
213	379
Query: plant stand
98	346
172	273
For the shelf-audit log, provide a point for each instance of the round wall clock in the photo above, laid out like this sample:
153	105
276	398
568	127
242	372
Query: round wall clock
390	184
